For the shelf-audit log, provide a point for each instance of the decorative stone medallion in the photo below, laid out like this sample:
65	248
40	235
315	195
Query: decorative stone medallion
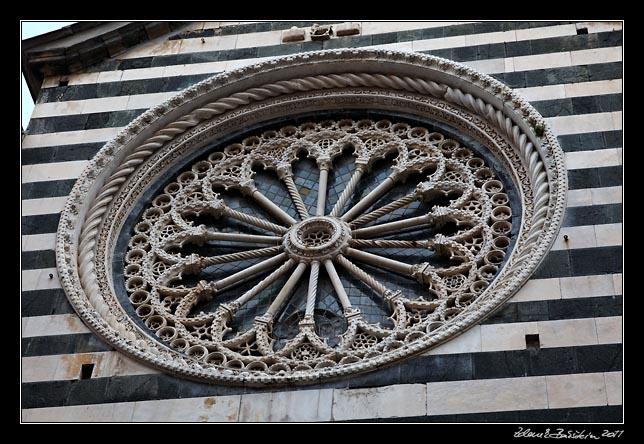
311	217
317	238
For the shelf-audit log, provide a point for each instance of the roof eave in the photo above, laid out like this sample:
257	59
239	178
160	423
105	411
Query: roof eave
76	47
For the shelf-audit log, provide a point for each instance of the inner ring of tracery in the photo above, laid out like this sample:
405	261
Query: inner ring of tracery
216	263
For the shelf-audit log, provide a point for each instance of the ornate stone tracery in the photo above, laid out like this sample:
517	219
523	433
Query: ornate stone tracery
487	263
461	190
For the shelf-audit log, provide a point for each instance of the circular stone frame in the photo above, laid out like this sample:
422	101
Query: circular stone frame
387	81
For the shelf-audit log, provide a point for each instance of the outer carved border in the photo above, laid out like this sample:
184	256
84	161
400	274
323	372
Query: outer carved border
91	198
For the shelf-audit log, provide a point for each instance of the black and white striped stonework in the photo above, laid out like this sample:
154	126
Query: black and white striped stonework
571	73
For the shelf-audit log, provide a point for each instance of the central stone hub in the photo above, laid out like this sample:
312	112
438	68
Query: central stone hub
317	238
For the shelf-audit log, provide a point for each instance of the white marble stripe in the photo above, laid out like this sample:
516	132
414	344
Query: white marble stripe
52	325
68	366
608	195
591	286
379	402
575	124
588	236
141	101
570	90
39	279
602	26
486	395
70	107
609	235
381	27
614	387
69	137
557	333
49	205
569	391
585	123
507	394
595	88
594	196
593	159
103	104
609	329
400	400
568	288
547	61
210	409
112	412
588	56
35	242
53	171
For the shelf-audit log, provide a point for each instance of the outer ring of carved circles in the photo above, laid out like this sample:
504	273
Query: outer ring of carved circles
85	238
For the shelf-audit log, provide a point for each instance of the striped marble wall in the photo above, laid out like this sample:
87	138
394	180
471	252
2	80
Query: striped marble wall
572	74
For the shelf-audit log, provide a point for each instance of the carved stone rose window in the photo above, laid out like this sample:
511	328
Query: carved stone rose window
311	217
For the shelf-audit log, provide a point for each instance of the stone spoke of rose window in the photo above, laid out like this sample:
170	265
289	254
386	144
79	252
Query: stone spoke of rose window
361	168
385	209
206	290
323	165
241	256
311	296
389	243
392	227
194	263
381	262
366	201
243	237
252	220
235	305
272	209
349	311
284	294
421	192
204	199
249	272
285	173
365	277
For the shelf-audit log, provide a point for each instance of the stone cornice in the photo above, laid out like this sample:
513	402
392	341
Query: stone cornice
81	45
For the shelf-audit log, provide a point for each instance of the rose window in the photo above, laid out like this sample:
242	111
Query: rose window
311	217
380	229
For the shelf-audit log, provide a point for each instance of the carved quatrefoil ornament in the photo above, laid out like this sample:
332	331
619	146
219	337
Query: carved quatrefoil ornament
311	217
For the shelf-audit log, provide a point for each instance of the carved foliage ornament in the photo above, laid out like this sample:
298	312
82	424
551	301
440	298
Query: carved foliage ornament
221	282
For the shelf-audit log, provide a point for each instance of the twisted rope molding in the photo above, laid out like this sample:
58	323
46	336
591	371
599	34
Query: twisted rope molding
89	302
